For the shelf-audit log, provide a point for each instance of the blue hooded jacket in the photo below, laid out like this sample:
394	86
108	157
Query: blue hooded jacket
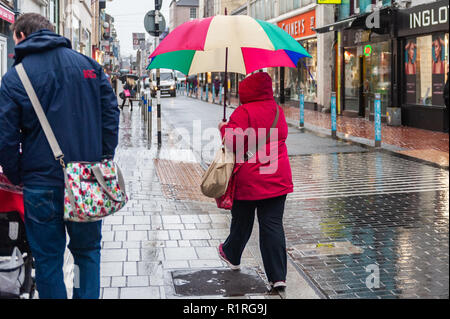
77	99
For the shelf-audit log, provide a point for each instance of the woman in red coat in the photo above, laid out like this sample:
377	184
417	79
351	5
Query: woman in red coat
262	181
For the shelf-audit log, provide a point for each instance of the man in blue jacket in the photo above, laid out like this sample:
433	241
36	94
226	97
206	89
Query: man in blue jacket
82	110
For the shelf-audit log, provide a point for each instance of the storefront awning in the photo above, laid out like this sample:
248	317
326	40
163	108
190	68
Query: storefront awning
378	21
339	25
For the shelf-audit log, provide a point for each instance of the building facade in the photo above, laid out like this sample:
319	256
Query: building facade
6	40
181	11
396	49
84	22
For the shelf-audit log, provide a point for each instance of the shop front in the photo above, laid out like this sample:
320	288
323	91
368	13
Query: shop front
303	78
6	39
366	72
424	47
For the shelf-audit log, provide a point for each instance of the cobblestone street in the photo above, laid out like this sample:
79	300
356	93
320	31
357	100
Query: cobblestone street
354	212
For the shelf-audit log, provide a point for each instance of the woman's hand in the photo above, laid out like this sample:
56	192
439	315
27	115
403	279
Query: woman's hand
222	124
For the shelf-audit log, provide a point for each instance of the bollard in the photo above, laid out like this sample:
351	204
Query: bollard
158	116
377	120
149	124
142	106
206	93
302	109
333	115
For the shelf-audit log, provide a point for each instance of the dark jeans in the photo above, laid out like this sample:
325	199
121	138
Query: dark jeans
271	234
46	233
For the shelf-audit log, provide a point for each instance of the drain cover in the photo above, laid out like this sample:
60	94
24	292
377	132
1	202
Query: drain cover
208	282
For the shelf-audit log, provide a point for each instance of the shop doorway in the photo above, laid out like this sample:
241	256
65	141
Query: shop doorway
363	89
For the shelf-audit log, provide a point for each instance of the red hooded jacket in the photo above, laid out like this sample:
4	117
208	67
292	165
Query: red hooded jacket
268	173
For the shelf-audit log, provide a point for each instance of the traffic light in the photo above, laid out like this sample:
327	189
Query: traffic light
158	4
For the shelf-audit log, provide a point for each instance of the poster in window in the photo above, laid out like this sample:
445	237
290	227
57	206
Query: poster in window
438	65
410	70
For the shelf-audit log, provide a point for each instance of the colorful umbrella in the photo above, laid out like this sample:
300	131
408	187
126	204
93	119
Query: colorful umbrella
237	44
201	46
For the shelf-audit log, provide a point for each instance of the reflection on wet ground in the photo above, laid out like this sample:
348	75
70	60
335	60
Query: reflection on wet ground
408	246
381	221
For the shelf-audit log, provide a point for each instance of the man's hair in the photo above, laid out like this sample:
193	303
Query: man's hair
29	23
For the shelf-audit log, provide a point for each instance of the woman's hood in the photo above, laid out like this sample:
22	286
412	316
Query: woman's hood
256	87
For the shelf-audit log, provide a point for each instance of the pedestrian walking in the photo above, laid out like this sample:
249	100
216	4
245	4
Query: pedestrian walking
127	93
216	85
195	84
81	108
256	189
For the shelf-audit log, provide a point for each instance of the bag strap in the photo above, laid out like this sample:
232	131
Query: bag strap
251	153
57	153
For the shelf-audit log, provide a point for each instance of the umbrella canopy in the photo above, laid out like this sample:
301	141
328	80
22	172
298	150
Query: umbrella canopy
126	76
244	43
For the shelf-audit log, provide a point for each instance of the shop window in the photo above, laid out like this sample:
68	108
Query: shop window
344	10
352	79
425	69
377	77
304	77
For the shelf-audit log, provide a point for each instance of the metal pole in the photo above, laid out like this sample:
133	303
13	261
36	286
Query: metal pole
333	115
158	89
149	123
377	121
226	86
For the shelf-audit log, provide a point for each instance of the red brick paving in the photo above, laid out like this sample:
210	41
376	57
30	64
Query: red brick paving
180	180
424	144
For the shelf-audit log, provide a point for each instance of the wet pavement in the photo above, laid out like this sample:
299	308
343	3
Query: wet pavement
423	144
165	230
360	223
358	215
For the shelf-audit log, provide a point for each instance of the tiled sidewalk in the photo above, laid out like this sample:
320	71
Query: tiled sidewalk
423	144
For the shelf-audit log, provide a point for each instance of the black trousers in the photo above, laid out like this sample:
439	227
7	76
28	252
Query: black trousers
125	99
271	234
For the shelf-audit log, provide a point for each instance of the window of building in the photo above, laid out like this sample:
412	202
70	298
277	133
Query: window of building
76	33
53	16
304	76
193	13
426	64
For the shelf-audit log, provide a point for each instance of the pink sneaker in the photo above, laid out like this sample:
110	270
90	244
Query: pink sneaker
224	258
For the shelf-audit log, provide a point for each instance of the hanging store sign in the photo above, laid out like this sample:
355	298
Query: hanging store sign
6	14
300	26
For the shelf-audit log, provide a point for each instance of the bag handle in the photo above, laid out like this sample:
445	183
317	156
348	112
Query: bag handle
100	179
57	153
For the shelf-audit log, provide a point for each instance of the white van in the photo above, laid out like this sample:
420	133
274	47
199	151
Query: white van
167	82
